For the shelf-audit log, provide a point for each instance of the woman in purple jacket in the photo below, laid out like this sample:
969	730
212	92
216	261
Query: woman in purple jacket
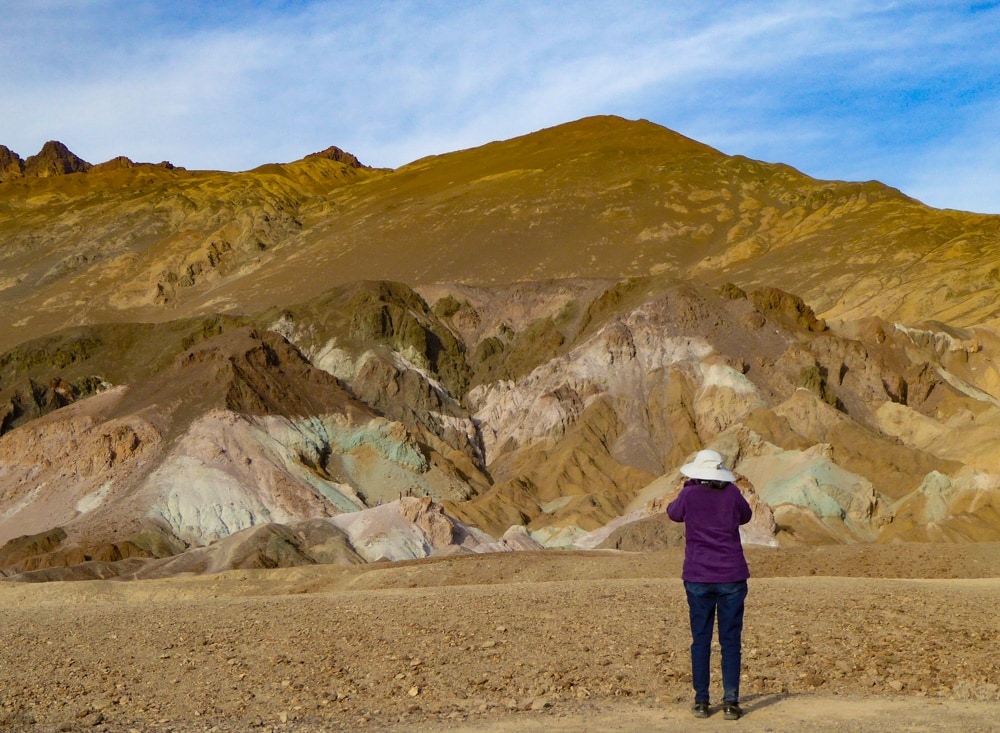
715	573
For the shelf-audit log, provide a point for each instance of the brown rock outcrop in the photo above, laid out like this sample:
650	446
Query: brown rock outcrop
115	164
778	303
54	159
656	532
340	156
11	165
51	550
16	551
122	163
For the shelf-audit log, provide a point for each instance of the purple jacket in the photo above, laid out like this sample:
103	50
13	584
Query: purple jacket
712	518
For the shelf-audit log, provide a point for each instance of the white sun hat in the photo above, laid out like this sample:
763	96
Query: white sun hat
707	465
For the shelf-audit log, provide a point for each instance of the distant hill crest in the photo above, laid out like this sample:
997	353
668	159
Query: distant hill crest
55	159
340	156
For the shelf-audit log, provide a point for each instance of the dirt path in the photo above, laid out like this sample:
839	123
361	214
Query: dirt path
763	714
533	642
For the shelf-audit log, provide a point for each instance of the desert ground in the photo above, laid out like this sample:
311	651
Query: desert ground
838	638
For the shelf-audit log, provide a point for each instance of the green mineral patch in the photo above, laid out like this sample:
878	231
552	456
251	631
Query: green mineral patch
823	488
336	497
378	437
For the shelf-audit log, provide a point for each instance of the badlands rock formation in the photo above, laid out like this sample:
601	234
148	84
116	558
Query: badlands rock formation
196	375
369	399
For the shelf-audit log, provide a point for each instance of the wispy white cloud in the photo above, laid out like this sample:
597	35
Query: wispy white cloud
844	89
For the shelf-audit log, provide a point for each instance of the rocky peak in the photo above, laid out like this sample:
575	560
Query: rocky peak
11	165
119	163
54	159
338	155
123	163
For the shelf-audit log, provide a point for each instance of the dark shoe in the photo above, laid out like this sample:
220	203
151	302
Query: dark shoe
700	710
732	711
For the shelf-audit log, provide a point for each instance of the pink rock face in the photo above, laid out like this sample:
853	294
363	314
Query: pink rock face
429	517
762	527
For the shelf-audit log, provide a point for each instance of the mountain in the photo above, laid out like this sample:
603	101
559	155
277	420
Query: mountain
535	333
602	197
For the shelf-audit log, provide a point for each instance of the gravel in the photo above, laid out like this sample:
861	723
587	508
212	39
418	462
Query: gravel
486	643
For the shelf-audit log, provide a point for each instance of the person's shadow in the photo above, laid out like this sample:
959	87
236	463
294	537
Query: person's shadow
753	703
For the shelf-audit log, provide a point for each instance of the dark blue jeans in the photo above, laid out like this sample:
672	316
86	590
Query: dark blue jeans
705	600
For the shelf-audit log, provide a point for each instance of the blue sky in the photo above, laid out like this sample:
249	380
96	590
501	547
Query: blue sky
907	93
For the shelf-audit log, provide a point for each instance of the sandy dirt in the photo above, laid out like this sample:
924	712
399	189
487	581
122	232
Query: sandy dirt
859	638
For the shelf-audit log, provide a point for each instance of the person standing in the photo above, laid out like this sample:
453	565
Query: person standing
715	574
